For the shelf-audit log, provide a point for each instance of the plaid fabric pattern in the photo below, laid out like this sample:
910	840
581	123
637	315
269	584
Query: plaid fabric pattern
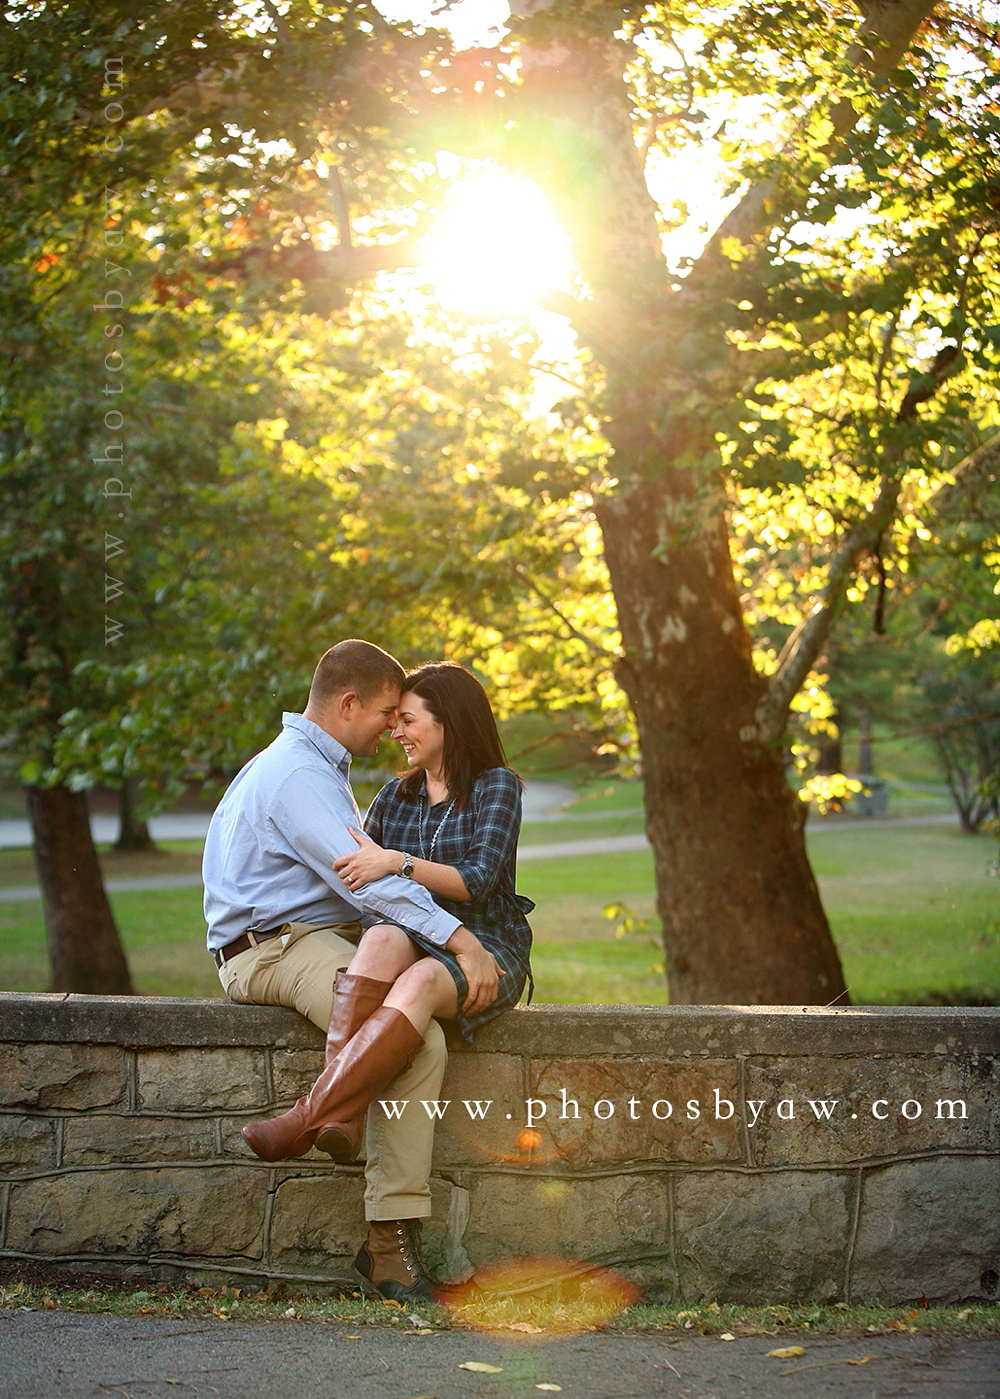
480	841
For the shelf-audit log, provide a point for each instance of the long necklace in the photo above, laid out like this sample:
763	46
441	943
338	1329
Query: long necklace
424	816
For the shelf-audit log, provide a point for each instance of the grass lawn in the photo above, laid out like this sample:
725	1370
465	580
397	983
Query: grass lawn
546	1312
915	912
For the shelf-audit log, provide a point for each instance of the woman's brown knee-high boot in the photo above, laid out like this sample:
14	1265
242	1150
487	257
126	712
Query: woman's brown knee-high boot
381	1049
355	998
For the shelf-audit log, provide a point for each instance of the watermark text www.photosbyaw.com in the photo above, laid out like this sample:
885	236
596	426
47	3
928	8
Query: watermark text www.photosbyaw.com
114	492
718	1108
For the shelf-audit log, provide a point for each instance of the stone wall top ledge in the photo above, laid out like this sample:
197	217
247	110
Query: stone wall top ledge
542	1031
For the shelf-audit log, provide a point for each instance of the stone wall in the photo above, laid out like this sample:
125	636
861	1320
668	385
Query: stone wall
740	1154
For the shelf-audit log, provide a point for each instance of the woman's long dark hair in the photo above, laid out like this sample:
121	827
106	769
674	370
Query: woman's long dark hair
471	742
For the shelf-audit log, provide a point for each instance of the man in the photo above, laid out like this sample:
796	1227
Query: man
282	928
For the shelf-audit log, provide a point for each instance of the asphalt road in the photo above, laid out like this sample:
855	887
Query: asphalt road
44	1354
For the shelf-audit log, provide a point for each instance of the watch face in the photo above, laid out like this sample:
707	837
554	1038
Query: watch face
407	869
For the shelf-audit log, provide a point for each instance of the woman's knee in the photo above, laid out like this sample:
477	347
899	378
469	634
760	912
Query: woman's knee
428	982
383	952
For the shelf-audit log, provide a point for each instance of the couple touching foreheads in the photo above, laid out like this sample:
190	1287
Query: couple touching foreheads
374	934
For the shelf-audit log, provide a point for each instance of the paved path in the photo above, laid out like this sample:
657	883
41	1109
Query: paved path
541	803
597	845
80	1356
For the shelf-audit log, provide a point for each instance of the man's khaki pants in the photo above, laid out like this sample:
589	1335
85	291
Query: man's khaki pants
297	969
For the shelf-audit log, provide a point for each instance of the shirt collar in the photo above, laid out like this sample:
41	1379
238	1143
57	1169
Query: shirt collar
331	748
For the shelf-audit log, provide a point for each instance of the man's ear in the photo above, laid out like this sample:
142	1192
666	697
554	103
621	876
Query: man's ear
346	703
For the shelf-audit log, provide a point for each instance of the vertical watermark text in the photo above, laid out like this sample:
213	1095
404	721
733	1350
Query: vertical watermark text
112	461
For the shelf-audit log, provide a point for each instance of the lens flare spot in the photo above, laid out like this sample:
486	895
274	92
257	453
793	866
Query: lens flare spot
529	1139
541	1296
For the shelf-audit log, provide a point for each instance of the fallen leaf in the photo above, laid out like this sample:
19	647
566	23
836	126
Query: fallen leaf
727	1336
481	1368
526	1327
787	1352
821	1364
552	1388
418	1333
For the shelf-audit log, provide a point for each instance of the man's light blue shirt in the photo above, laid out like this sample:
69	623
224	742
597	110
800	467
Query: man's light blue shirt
274	837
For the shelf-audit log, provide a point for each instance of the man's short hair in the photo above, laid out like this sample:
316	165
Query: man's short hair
354	665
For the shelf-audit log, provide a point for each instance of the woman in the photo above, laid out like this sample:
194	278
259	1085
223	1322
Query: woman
451	823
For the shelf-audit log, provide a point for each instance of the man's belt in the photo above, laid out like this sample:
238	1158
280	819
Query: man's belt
243	943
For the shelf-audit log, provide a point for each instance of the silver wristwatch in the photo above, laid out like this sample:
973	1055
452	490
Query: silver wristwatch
406	868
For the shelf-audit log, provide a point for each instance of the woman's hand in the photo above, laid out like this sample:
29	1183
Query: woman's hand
367	863
481	969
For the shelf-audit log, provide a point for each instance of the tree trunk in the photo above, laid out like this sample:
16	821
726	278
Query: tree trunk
133	834
742	917
85	951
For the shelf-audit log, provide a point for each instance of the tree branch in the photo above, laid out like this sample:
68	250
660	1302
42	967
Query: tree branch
341	265
550	603
809	637
886	32
974	474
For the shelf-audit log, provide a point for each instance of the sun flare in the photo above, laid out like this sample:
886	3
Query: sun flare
498	247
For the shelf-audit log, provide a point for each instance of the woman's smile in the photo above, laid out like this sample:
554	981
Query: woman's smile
420	735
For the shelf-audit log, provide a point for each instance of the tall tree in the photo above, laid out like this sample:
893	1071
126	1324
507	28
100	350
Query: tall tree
698	362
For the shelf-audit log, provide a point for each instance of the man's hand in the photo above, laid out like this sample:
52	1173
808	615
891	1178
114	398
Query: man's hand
480	968
370	862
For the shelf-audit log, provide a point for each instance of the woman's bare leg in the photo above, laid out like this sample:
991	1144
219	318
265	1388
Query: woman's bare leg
383	953
423	988
424	991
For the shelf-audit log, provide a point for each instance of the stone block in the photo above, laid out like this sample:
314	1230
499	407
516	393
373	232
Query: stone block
768	1237
606	1219
61	1076
852	1108
637	1110
138	1213
294	1073
929	1228
316	1220
723	1032
201	1080
27	1143
97	1139
666	1032
485	1096
147	1021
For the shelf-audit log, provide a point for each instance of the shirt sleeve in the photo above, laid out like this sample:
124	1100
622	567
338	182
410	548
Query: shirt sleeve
311	814
497	798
